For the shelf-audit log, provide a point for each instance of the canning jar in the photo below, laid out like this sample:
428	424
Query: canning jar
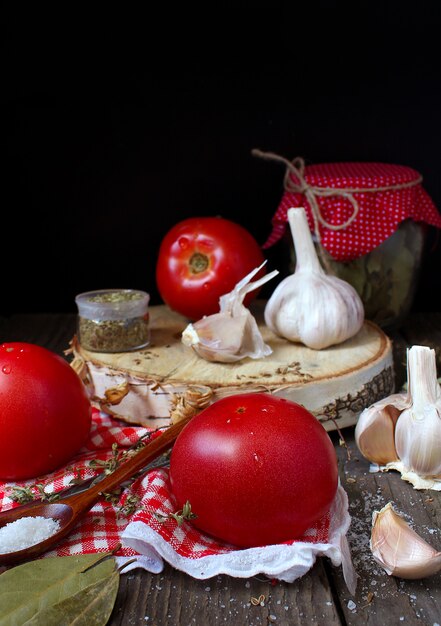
369	222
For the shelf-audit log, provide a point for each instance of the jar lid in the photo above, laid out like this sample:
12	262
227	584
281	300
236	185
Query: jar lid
354	206
112	304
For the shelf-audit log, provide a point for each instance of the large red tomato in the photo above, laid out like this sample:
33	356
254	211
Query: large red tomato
202	258
256	469
45	414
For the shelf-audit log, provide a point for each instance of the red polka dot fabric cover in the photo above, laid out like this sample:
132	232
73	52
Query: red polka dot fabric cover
379	212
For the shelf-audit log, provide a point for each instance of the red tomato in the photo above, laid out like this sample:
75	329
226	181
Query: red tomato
256	469
45	414
201	259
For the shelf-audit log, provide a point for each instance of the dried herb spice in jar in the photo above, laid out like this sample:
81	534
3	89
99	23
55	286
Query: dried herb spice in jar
113	320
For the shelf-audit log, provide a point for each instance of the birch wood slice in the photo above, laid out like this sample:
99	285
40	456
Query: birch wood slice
142	387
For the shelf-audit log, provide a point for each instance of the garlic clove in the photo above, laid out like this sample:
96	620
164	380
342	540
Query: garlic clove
418	429
418	441
233	333
399	549
375	429
216	337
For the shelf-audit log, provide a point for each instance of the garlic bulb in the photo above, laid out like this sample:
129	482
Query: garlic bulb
399	549
233	333
310	306
403	431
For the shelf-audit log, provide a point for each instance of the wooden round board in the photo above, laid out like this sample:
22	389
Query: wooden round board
335	384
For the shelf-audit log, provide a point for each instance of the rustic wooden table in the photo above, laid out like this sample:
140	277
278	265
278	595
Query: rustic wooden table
319	597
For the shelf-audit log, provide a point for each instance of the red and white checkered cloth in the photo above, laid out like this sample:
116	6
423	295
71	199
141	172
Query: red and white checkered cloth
100	530
150	540
379	214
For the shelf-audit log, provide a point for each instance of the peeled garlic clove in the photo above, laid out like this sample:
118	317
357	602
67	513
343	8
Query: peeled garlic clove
216	337
375	429
418	430
399	549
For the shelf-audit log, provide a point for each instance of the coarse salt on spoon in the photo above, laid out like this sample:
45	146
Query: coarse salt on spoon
68	511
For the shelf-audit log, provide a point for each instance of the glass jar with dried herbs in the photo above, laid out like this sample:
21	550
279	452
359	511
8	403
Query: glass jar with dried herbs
113	320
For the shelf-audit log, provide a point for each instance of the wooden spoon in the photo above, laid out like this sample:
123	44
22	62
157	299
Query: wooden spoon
68	511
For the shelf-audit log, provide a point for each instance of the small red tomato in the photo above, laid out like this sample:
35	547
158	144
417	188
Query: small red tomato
256	469
202	258
45	414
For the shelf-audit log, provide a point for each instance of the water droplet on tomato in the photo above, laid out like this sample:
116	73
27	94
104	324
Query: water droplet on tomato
6	369
183	242
258	459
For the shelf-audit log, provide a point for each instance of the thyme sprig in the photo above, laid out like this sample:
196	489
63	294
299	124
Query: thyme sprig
111	464
23	495
112	496
37	491
130	506
46	497
179	516
119	456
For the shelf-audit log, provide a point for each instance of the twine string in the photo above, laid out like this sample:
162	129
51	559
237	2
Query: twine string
295	182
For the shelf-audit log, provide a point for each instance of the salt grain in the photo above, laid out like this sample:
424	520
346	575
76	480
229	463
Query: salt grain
26	532
352	606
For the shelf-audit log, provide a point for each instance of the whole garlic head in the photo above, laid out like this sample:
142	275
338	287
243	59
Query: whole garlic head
310	306
403	431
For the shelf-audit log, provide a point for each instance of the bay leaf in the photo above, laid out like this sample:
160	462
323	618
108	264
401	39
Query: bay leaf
90	606
35	585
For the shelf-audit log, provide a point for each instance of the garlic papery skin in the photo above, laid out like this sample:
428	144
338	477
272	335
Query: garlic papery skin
375	429
311	307
399	549
418	429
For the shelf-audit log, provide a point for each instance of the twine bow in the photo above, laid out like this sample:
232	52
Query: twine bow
295	182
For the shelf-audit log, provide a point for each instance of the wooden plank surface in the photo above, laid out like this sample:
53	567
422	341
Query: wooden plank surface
320	597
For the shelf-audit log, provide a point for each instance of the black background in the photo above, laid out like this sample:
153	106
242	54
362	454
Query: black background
119	124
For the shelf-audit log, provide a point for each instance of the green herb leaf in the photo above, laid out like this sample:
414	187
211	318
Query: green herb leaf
27	589
184	514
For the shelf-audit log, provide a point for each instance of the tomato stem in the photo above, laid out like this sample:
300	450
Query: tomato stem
198	263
